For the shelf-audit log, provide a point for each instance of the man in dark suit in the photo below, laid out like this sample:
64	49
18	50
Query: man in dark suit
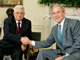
15	28
66	34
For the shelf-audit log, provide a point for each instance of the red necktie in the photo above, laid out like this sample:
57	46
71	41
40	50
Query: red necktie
18	28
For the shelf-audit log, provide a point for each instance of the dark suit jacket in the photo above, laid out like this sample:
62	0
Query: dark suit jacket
70	37
11	37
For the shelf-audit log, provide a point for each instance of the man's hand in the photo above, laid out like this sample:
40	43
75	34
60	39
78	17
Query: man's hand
29	42
26	41
23	47
59	58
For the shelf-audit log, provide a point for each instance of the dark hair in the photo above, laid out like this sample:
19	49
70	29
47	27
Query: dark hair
9	12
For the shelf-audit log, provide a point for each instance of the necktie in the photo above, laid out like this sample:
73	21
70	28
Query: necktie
60	34
18	28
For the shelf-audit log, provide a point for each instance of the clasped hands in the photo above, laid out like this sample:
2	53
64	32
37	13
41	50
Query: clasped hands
25	41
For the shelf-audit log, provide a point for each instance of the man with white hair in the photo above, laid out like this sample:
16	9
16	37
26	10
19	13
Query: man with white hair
15	28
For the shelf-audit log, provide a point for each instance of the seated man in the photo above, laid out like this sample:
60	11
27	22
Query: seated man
66	34
15	28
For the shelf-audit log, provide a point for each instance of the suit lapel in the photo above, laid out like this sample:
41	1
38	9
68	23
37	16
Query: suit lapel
65	27
56	37
14	26
56	33
24	26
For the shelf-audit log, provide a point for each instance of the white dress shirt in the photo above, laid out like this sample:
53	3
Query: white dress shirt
20	23
62	23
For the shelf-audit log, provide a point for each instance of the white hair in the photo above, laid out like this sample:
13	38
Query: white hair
18	6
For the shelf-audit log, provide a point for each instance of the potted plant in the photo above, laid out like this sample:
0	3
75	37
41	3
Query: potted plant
72	3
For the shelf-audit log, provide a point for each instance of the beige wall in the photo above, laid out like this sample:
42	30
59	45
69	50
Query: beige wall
2	14
33	11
